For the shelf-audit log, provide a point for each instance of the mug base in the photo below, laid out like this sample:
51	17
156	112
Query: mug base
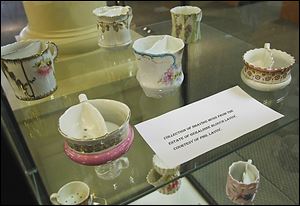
159	93
116	45
264	87
38	97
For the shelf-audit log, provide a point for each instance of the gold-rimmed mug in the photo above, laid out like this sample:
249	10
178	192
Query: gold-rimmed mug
29	68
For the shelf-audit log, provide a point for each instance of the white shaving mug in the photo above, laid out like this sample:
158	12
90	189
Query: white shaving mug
159	72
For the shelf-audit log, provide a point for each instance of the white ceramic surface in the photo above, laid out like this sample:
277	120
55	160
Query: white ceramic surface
86	120
186	23
29	68
113	23
159	64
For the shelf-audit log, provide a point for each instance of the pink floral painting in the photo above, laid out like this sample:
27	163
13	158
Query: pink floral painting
44	67
170	76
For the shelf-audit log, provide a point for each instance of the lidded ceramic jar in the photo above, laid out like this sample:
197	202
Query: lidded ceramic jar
267	69
93	126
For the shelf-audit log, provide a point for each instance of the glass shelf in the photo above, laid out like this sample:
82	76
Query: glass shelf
211	65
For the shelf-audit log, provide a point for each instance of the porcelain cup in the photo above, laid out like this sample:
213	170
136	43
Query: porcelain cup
242	182
267	69
72	193
186	23
113	24
159	64
72	125
29	68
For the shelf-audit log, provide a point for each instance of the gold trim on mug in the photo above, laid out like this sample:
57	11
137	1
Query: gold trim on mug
34	55
37	97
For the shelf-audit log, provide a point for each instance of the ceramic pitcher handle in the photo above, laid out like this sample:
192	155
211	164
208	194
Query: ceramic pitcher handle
55	49
53	199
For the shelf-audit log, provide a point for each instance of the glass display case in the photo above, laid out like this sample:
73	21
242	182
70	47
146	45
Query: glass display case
209	65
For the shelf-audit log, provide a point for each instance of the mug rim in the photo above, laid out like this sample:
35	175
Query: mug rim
235	180
31	56
161	54
72	182
191	13
264	69
129	12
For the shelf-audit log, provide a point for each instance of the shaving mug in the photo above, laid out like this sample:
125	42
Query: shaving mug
72	193
267	69
242	182
186	23
29	68
159	64
78	123
113	24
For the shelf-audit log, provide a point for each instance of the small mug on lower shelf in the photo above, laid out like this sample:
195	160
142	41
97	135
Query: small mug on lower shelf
242	182
76	193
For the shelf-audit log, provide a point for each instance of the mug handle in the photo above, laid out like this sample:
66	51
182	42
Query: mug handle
94	200
124	163
53	199
55	49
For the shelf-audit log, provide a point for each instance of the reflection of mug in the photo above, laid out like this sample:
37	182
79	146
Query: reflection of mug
242	182
186	23
29	68
72	193
159	62
156	179
112	169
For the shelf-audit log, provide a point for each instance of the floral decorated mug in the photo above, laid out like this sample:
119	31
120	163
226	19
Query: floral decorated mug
159	64
267	69
113	24
186	23
242	182
29	68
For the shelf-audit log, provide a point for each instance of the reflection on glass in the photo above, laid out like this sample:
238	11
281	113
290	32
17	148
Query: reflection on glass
112	169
